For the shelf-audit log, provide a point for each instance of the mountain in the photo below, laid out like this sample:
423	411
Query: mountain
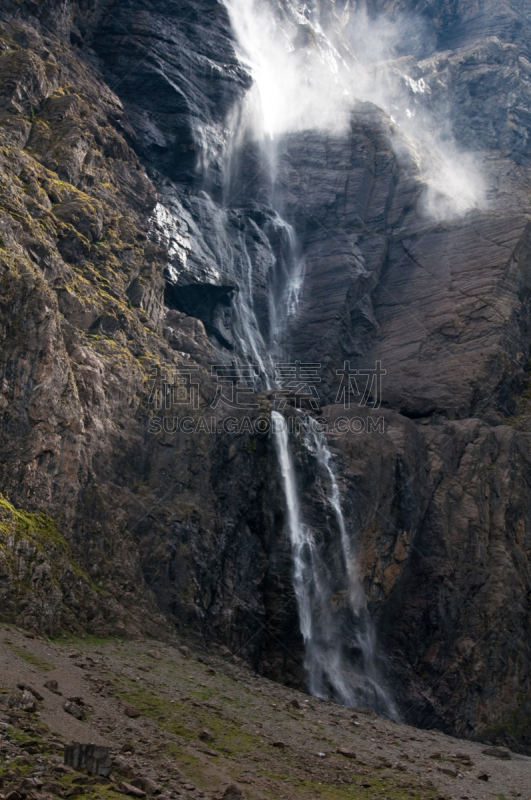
151	241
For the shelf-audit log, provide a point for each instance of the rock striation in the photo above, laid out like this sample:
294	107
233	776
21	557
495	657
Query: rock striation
123	256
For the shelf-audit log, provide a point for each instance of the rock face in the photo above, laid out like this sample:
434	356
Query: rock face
124	261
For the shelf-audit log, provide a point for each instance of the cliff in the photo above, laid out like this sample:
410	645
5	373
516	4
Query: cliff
122	257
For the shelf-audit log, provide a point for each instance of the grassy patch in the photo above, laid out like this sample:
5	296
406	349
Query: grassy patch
39	528
169	717
382	787
31	658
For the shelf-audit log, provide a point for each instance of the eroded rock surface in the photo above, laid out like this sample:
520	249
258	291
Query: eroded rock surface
120	258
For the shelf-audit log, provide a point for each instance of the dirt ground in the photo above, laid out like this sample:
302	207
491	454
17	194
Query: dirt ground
183	724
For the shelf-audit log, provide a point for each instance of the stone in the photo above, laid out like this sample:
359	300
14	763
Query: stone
128	788
96	759
232	792
294	703
23	701
186	652
497	752
31	784
148	785
154	654
206	736
448	770
53	787
124	767
131	711
73	709
52	686
34	692
482	776
62	769
344	751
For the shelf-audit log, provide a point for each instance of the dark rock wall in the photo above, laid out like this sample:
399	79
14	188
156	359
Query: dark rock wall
114	120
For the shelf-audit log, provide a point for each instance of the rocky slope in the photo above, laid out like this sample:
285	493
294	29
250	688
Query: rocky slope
184	724
119	260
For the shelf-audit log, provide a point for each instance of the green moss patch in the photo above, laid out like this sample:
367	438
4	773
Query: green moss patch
31	658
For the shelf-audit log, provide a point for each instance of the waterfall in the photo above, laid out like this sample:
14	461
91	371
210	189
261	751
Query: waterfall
292	82
354	677
339	639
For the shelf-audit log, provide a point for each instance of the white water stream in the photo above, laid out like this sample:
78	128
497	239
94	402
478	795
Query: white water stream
339	638
296	88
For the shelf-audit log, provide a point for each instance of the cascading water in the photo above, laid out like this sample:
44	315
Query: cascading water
289	89
349	669
339	638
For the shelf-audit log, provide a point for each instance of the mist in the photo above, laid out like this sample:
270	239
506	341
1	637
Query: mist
311	69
